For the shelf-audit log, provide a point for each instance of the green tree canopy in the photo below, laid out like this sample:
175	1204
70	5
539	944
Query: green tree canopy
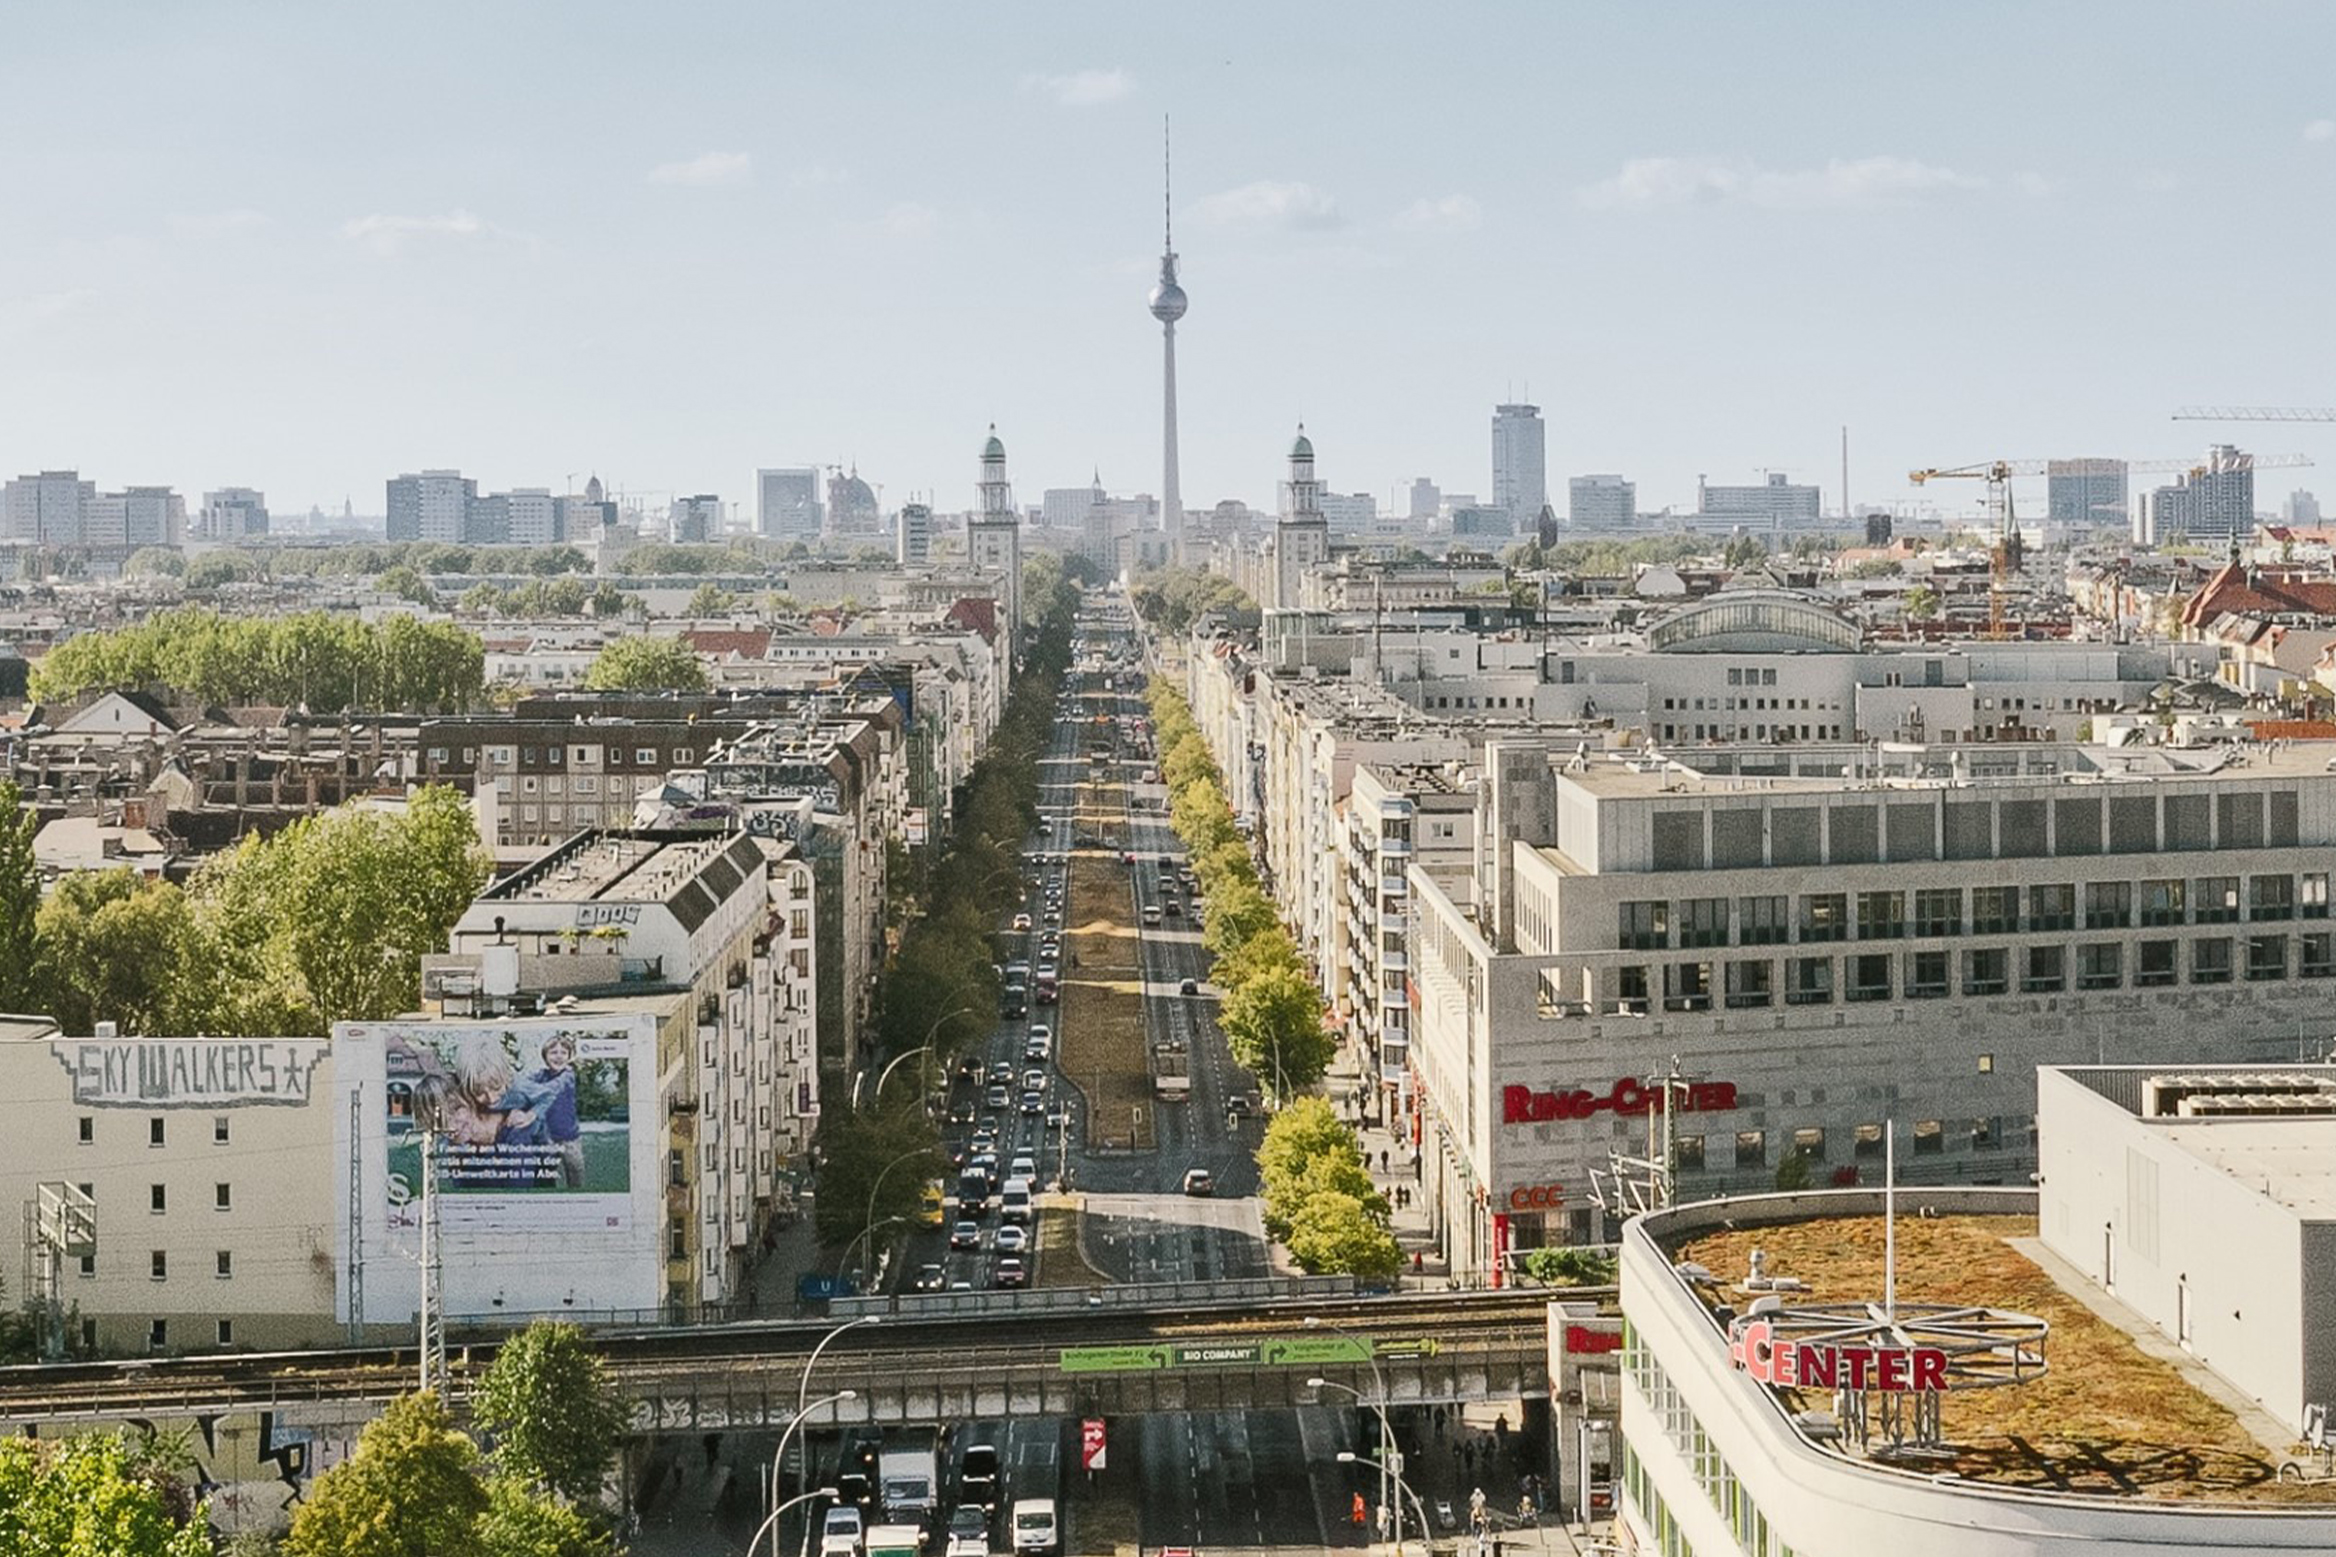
313	659
520	1522
20	899
1236	912
110	946
874	1159
1273	1023
640	662
411	1489
709	599
90	1496
1270	950
550	1411
1337	1234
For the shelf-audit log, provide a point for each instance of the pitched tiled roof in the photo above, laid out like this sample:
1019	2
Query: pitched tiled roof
2237	590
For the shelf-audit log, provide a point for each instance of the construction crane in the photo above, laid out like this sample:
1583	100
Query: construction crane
2004	557
1998	474
2254	413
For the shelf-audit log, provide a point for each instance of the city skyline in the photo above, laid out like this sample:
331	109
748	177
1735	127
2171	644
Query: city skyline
522	276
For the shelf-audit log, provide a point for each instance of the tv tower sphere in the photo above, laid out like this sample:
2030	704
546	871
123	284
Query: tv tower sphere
1167	297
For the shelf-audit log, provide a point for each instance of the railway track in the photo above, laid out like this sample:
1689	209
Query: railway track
755	1356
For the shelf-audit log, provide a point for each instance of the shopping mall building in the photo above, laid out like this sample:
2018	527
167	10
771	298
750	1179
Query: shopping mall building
1822	952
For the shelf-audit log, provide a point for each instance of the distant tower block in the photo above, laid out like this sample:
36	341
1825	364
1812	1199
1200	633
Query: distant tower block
1168	304
994	538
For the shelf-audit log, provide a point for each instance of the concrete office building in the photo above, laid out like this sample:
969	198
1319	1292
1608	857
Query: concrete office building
204	1162
787	503
234	514
1727	1453
1776	505
1520	462
134	517
2213	504
2301	508
1349	513
432	506
1426	500
1601	503
2085	495
695	519
1793	941
531	517
2205	1199
45	509
913	535
1065	508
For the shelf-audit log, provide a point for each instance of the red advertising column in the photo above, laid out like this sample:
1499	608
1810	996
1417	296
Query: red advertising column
1500	1247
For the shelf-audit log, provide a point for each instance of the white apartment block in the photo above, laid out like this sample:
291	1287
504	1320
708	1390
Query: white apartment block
45	509
533	517
1823	955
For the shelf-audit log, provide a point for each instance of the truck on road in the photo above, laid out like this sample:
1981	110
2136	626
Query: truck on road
908	1481
1171	1071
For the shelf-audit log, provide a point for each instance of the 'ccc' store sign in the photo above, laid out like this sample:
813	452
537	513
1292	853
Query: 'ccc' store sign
1537	1197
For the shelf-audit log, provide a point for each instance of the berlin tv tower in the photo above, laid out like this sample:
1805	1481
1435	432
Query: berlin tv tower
1168	305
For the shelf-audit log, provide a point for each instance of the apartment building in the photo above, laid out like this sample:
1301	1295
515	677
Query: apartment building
1397	815
534	781
1823	953
185	1179
677	970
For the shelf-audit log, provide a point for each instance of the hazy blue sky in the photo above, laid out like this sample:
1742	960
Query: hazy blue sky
304	247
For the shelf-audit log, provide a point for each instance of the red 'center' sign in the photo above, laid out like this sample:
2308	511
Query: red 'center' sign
1091	1444
1754	1346
1523	1105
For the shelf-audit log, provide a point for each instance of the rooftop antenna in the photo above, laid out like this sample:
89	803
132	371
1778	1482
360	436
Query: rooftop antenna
1167	188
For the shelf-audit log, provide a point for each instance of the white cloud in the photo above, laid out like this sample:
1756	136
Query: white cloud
1270	203
2035	185
1645	182
2320	130
705	171
1083	88
1453	213
387	234
908	219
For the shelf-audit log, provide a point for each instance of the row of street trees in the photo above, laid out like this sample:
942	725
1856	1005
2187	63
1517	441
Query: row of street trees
1171	599
325	921
313	659
1272	1012
938	992
1319	1199
643	662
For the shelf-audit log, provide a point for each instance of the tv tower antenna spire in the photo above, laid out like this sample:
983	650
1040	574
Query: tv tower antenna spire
1168	304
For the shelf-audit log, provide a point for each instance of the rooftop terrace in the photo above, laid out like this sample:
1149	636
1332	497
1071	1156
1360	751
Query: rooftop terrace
2106	1419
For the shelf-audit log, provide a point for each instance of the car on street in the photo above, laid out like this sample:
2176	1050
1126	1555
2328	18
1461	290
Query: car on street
1001	1073
1011	1273
984	1140
840	1531
1199	1181
1021	921
1034	1527
1023	1167
931	1278
1151	913
965	1235
994	1099
1032	1103
1189	987
1034	1080
969	1532
1012	1239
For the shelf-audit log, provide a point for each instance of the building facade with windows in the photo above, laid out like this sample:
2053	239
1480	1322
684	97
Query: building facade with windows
203	1161
1823	954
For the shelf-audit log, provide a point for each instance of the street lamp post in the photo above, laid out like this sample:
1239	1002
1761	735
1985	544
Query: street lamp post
1402	1491
857	1239
803	1390
923	1048
771	1525
1391	1456
868	1224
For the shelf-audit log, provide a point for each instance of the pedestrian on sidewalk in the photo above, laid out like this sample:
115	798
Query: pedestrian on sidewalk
1382	1159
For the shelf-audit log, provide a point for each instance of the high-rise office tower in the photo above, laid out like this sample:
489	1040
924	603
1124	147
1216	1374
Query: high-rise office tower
2085	494
1168	303
913	536
234	514
433	506
2301	508
1601	503
697	518
787	502
1426	500
993	536
1520	462
45	509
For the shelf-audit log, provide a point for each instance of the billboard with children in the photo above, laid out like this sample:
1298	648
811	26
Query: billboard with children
534	1122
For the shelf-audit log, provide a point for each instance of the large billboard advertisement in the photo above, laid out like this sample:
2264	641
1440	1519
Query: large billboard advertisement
534	1124
549	1145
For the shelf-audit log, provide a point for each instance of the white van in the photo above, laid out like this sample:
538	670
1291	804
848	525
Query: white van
1034	1527
1014	1201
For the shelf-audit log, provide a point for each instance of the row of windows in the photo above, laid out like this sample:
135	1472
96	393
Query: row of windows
1749	984
157	1130
551	756
1808	1143
1712	1472
1758	732
1933	912
158	1333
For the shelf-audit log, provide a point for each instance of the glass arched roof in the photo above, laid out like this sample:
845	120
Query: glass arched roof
1753	621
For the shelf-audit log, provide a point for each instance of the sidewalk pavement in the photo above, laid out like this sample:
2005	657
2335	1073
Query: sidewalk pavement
1393	1165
